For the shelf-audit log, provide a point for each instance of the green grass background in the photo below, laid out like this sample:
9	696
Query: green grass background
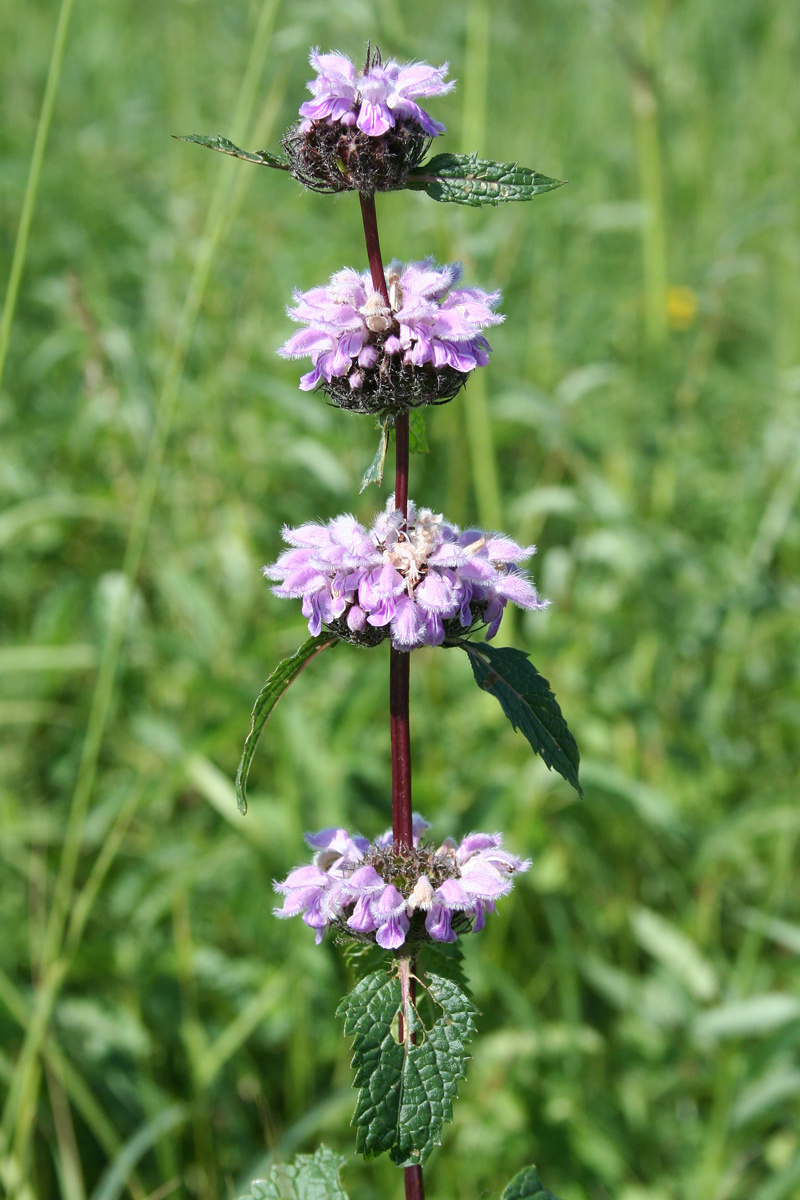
160	1033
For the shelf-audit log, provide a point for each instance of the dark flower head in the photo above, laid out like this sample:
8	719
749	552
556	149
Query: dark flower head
364	130
373	892
421	583
373	358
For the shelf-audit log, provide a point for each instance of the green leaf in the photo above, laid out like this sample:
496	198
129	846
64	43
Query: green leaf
374	472
309	1177
284	674
527	1186
467	179
443	958
526	699
216	142
363	958
406	1090
417	437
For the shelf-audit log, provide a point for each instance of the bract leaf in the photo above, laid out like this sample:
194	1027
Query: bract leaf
374	472
467	179
526	699
215	141
417	436
277	683
309	1177
406	1088
527	1186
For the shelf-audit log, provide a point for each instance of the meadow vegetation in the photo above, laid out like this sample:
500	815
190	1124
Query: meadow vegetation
160	1032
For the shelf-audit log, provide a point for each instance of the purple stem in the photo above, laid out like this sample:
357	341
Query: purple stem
399	661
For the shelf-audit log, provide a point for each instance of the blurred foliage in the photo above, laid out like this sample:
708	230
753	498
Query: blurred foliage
640	992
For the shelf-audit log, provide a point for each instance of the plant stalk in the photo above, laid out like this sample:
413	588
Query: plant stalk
399	661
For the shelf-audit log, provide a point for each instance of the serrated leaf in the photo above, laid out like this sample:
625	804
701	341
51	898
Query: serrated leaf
527	1186
363	958
467	179
309	1177
444	958
406	1090
277	683
217	142
417	436
526	699
374	472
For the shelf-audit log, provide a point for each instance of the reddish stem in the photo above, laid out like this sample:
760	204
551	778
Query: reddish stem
399	661
370	219
415	1188
401	746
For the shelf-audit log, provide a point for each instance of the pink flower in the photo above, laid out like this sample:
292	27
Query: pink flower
376	99
367	891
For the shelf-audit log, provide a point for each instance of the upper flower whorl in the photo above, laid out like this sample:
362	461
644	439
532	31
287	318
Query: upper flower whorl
364	130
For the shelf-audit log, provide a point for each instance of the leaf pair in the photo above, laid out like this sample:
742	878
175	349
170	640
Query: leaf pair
508	675
316	1177
449	178
406	1087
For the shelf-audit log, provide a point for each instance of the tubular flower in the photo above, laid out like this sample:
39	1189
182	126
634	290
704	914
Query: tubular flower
375	99
420	583
364	129
372	892
418	350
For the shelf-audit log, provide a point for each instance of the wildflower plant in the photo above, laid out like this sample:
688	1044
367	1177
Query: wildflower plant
388	340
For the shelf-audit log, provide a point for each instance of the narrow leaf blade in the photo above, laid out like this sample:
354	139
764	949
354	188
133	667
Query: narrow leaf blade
217	142
309	1177
527	1186
284	674
418	438
374	472
467	179
526	699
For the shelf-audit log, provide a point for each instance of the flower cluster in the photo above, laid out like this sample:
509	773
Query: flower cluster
372	357
365	129
421	583
412	894
373	100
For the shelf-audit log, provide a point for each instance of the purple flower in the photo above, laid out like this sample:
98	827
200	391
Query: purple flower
351	335
374	100
421	583
373	892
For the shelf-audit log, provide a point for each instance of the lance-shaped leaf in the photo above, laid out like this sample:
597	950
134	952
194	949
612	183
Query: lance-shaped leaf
417	435
527	1186
216	142
406	1088
284	674
467	179
374	472
309	1177
526	699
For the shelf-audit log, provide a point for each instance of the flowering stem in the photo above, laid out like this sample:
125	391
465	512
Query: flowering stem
399	661
370	219
412	1176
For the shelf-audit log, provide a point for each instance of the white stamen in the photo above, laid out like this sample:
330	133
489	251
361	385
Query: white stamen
376	314
422	895
395	291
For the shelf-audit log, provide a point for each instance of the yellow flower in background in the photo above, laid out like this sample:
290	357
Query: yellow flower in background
682	306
